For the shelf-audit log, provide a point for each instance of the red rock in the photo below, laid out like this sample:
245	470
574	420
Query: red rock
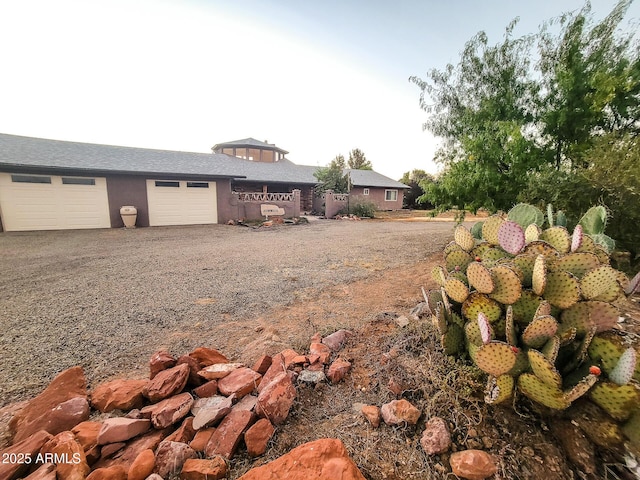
117	472
46	472
372	414
279	364
154	476
170	458
275	401
171	410
336	340
227	436
398	412
313	358
323	459
121	429
109	450
118	394
194	367
208	389
316	367
247	402
210	469
338	370
86	434
64	445
316	338
321	351
183	434
472	464
257	437
211	411
208	356
128	454
60	407
160	361
201	439
299	360
436	438
262	364
29	447
167	383
142	466
240	382
219	370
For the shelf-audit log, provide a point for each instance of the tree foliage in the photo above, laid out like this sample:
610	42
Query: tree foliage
544	118
357	160
418	181
332	177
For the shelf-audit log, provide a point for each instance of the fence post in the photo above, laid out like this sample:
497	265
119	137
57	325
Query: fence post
296	202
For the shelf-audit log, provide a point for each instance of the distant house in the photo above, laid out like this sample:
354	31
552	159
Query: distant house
53	185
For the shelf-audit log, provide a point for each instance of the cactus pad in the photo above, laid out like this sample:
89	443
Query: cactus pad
613	294
511	237
507	285
453	340
491	256
539	275
432	297
580	388
457	258
524	263
598	281
478	302
623	371
558	238
578	317
439	275
490	229
480	277
631	429
495	358
472	334
524	310
456	289
576	238
451	247
499	389
464	238
485	328
587	245
532	233
439	319
540	247
577	264
543	309
524	214
544	369
619	401
607	348
479	249
536	390
539	331
551	348
562	289
510	331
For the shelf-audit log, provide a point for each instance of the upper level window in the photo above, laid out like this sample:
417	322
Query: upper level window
197	184
365	191
391	195
30	179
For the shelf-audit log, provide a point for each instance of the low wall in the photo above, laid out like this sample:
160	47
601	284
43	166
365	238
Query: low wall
334	203
248	204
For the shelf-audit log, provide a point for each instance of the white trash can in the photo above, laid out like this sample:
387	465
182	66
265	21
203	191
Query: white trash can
129	214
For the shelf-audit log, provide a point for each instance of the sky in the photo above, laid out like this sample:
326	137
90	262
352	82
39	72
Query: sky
317	78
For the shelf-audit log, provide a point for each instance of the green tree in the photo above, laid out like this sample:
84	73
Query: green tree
357	160
418	180
332	177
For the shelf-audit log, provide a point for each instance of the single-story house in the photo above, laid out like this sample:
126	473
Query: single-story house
52	184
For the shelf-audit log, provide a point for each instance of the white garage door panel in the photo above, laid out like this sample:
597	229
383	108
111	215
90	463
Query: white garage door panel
182	204
53	206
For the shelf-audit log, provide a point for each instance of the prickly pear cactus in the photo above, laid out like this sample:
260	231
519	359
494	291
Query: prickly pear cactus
534	308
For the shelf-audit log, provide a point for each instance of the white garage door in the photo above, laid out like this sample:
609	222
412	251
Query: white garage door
179	202
51	202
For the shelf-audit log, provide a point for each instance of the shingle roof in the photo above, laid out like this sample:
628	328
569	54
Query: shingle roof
369	178
31	153
249	142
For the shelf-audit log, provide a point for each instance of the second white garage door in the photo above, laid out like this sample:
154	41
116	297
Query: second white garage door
180	202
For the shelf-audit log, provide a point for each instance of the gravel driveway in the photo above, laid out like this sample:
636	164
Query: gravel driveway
107	299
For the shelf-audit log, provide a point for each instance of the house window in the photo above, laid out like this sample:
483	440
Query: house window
197	184
78	181
164	183
365	191
30	179
391	195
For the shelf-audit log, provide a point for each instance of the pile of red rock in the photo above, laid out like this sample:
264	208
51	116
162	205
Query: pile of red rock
194	406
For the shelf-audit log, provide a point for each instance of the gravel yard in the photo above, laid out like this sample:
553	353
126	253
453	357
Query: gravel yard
107	299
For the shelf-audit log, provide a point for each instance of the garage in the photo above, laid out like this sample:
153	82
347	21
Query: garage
53	202
181	202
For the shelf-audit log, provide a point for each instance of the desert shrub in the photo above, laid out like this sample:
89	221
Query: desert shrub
363	209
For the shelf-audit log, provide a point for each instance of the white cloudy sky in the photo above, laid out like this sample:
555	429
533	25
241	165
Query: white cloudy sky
317	78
